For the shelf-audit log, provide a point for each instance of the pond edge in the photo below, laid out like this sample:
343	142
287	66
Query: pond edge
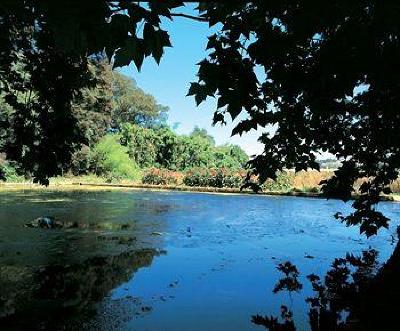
4	187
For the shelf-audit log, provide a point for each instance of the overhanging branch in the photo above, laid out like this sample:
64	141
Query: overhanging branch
196	18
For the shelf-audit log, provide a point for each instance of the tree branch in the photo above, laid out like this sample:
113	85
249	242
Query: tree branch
196	18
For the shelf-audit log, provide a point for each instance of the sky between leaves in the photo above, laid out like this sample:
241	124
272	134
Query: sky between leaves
169	82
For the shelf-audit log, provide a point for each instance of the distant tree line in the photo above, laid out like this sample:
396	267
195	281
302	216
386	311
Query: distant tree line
134	147
124	130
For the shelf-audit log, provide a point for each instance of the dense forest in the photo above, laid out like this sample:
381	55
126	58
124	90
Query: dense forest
126	135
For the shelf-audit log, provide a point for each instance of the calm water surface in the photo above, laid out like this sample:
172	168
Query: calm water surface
164	261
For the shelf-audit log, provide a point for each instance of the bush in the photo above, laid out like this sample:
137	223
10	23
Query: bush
161	147
156	176
304	180
306	189
9	173
111	160
196	177
212	178
283	182
395	186
80	161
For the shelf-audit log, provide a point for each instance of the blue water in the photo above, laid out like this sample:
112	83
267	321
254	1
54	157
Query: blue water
217	254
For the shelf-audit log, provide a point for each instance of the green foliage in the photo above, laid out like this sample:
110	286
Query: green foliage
283	182
133	48
163	148
95	109
202	133
166	143
140	144
44	68
196	177
112	101
330	82
204	177
92	107
81	161
9	173
230	156
322	89
132	105
194	151
156	176
110	159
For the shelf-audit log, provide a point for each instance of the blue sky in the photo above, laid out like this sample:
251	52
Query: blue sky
169	82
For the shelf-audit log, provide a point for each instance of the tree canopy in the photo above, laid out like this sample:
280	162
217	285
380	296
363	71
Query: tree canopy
132	105
328	83
162	147
322	73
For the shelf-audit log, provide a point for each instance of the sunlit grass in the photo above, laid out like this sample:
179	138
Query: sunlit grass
303	183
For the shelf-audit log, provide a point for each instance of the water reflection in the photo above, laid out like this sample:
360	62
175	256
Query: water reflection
52	297
57	274
220	267
356	294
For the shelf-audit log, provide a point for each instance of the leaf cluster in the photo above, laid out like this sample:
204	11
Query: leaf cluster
321	77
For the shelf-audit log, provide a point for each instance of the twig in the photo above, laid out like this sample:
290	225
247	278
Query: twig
196	18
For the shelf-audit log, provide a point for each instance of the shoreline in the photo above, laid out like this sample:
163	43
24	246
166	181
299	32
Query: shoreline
82	186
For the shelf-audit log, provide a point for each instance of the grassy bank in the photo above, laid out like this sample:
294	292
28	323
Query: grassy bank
204	180
95	183
103	186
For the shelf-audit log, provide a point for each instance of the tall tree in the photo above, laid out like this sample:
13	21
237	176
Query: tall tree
133	105
44	47
93	107
199	132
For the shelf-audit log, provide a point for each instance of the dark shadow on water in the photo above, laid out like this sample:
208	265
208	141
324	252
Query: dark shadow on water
356	294
59	297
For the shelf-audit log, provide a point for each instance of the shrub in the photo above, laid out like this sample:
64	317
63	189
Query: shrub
111	160
304	180
80	161
156	176
9	173
212	178
283	182
395	186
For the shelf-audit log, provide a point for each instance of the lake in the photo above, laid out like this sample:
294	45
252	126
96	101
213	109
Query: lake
140	260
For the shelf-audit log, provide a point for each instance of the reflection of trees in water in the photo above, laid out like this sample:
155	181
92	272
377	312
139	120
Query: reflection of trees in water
55	293
355	294
89	218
